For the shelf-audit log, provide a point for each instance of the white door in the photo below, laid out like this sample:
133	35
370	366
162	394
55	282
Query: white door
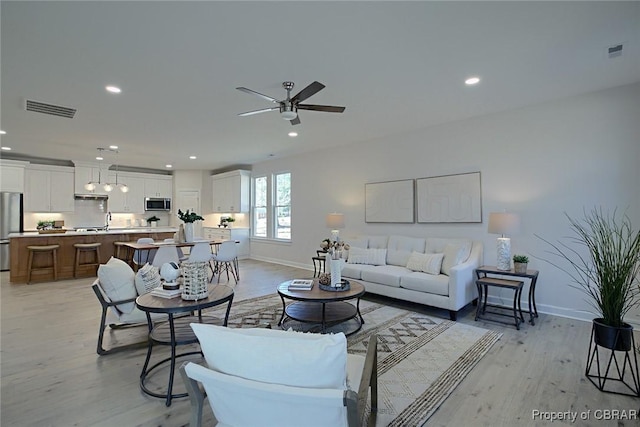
189	199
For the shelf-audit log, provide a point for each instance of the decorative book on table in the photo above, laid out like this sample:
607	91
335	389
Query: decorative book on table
166	293
301	285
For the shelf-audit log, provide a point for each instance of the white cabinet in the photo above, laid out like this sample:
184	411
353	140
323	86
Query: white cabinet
130	202
161	186
231	191
85	174
239	234
49	189
12	176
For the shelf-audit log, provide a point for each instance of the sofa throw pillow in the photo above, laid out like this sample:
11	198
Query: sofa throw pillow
147	278
454	254
278	357
427	263
367	256
117	280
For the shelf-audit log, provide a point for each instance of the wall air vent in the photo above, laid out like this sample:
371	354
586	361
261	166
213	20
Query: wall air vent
53	110
614	51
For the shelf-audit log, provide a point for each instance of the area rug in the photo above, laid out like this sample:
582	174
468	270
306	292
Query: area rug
421	359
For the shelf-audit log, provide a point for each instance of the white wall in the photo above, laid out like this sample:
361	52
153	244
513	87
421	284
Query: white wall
538	161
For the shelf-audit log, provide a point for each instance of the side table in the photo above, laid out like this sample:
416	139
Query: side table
319	263
176	332
483	289
485	270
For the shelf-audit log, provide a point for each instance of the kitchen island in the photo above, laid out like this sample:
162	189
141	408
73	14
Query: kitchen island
66	253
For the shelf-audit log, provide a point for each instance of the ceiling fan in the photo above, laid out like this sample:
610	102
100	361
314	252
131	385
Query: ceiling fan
290	106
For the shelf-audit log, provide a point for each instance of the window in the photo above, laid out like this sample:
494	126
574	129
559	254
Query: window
271	211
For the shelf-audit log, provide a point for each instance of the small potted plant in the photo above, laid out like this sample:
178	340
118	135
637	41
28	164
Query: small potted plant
226	221
189	218
520	263
153	221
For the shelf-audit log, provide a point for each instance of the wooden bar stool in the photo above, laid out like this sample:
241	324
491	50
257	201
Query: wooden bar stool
43	249
86	247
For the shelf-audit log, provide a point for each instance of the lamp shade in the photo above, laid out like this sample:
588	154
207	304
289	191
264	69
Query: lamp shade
335	221
503	223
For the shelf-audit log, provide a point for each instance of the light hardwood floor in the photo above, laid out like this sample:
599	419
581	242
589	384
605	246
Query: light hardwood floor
52	376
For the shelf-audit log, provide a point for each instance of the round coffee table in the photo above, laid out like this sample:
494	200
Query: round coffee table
323	308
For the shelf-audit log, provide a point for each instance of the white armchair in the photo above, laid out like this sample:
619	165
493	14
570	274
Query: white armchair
286	379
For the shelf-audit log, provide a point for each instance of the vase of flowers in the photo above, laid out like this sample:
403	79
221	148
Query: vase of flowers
333	260
189	218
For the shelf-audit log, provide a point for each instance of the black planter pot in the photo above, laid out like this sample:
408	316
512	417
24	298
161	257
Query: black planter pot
611	337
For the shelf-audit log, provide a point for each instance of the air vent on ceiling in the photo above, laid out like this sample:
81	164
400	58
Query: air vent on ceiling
614	51
53	110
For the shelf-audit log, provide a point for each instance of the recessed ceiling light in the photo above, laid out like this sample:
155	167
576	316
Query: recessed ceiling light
2	132
113	147
472	81
192	157
99	158
113	89
168	166
6	148
293	134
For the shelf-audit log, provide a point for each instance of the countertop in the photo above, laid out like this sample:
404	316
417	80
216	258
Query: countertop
131	230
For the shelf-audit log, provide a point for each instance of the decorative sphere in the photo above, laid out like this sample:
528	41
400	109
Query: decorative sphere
169	271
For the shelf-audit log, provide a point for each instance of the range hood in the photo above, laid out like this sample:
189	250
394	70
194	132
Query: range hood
91	196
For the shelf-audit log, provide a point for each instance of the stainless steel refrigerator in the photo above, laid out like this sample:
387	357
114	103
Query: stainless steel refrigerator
11	221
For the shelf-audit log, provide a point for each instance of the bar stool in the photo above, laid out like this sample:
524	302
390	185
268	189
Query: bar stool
86	247
43	249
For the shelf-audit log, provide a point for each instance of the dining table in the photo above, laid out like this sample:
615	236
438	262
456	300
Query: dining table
130	248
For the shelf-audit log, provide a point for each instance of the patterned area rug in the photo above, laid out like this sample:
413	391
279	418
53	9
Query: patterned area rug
421	359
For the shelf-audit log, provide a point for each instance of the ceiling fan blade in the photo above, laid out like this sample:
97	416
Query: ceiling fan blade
253	92
264	110
325	108
295	121
308	91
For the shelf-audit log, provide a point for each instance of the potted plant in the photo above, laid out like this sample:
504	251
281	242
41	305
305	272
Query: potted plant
153	221
226	221
189	218
520	263
607	274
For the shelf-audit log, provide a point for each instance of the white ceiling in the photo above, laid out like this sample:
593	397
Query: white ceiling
396	66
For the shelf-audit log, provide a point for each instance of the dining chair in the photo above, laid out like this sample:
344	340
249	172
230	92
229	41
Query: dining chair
181	255
226	258
141	257
166	253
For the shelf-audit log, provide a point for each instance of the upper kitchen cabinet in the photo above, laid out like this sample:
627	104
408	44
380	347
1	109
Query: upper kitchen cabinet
12	176
231	191
160	186
49	189
85	174
130	202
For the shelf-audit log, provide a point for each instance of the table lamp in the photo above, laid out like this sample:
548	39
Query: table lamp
503	223
335	221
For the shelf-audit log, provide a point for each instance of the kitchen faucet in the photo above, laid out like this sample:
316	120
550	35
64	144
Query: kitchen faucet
107	219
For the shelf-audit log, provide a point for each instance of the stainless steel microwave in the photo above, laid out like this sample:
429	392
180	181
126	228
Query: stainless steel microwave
157	204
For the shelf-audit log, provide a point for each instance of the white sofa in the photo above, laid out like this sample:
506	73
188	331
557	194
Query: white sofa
452	288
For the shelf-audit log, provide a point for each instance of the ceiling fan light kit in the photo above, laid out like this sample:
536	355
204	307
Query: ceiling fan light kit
289	107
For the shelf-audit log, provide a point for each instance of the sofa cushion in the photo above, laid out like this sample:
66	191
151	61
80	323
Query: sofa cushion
428	283
278	357
354	271
378	242
356	242
454	254
400	248
117	280
385	275
426	263
367	256
147	278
